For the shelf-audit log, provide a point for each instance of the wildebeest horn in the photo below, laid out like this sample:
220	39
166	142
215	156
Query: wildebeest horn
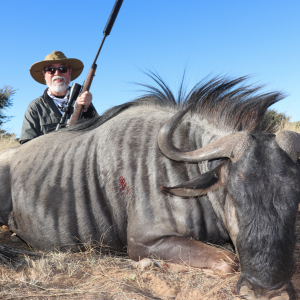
231	146
289	141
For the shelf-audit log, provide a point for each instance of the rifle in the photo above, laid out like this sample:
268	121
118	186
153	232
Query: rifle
76	90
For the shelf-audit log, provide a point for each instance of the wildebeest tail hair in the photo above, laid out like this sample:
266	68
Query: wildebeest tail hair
9	255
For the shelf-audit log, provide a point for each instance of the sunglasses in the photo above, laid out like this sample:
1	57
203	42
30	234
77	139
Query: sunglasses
52	70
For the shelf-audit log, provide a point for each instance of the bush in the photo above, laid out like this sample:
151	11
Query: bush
282	121
6	94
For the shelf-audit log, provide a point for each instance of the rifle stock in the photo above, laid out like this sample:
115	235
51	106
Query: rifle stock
78	109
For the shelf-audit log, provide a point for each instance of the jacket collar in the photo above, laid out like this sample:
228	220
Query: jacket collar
51	103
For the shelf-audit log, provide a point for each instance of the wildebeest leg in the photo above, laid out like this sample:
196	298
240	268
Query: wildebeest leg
182	250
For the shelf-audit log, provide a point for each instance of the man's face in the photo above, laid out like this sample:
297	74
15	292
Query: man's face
58	82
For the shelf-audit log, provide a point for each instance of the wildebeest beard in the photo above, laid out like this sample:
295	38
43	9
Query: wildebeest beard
266	221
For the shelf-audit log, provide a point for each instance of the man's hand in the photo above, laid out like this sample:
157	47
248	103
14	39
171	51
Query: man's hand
85	99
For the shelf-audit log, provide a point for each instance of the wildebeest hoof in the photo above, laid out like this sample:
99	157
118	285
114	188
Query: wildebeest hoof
146	263
247	293
224	269
142	264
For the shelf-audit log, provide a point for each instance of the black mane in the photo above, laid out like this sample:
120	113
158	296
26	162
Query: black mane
228	104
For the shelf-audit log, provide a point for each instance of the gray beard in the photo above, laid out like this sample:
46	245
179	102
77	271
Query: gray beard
58	87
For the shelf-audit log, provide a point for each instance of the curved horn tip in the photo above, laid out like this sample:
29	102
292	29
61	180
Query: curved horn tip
165	190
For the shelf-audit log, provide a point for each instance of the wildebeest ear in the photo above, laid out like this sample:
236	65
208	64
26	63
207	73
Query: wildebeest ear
198	186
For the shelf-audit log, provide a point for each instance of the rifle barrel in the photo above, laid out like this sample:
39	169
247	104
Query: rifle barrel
109	24
112	17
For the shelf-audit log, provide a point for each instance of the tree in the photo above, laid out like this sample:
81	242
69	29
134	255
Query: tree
282	121
279	118
6	94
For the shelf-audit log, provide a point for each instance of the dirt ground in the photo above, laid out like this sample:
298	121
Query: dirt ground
97	275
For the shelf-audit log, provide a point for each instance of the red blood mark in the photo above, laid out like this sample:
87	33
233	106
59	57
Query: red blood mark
123	186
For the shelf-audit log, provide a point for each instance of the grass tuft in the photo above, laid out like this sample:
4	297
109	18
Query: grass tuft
8	142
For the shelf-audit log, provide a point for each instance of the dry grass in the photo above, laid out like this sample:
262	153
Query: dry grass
293	126
8	142
103	274
93	275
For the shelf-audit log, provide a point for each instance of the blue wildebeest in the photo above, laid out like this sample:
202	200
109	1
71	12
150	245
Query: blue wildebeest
232	181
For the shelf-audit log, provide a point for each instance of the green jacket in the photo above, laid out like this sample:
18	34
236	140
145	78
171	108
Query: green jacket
42	116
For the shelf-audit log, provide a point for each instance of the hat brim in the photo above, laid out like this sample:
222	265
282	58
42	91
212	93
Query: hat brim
36	70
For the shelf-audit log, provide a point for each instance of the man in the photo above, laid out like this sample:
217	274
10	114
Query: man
44	113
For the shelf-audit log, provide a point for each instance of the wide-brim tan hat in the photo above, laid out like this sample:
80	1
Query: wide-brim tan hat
56	57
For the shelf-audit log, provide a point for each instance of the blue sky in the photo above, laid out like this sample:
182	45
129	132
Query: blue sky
211	37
